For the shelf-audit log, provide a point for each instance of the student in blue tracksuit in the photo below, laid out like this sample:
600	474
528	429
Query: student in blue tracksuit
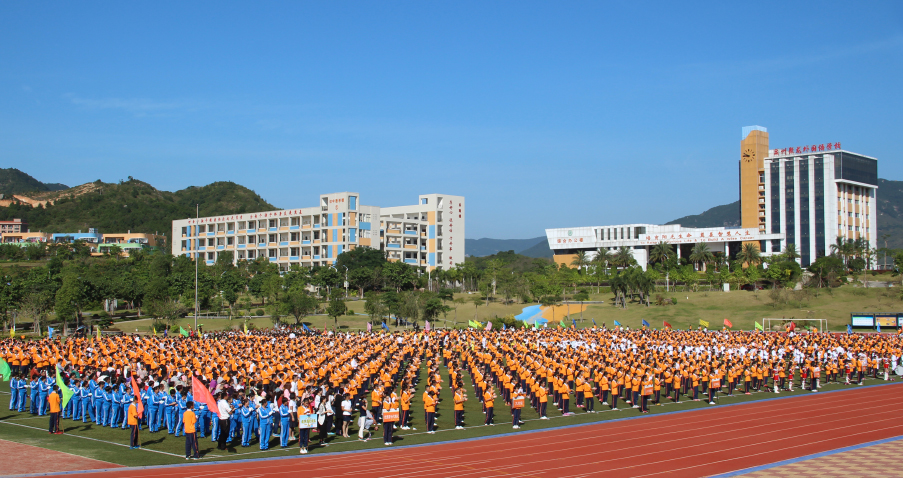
171	406
107	406
98	403
247	413
85	394
181	406
23	394
151	409
34	386
124	408
161	406
285	415
235	419
266	423
115	408
43	393
14	393
200	410
69	410
146	393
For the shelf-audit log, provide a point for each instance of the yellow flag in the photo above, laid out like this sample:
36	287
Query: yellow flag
246	328
98	332
155	331
703	323
12	333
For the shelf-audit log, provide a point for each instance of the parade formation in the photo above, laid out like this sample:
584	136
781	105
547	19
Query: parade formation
242	389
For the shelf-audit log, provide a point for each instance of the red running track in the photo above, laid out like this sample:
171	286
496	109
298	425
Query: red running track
688	444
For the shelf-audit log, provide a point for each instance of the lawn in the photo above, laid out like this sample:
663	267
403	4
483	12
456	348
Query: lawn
111	445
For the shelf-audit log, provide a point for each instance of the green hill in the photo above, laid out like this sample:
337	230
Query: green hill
727	215
132	205
13	181
540	251
487	246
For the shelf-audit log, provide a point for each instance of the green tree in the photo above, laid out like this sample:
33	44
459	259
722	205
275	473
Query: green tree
581	261
750	255
581	297
298	303
336	306
701	255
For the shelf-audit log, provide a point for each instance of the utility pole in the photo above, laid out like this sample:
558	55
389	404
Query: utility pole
197	215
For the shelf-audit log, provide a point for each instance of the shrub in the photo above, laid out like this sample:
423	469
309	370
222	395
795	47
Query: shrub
258	312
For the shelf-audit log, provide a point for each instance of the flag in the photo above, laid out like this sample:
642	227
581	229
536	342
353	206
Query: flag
155	331
849	329
488	325
561	323
369	327
646	324
594	321
5	371
246	328
427	327
503	326
139	405
12	332
666	324
879	328
792	326
98	332
385	326
183	331
202	395
759	327
64	390
728	324
704	323
574	323
306	328
50	332
617	324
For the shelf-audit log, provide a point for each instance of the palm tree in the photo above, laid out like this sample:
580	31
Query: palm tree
750	254
843	248
580	261
701	254
790	252
661	253
600	262
624	256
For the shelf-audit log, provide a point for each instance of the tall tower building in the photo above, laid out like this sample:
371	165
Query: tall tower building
753	150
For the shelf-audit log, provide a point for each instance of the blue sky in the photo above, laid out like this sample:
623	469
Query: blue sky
542	115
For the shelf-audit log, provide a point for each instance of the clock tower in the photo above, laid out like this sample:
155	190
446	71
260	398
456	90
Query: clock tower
753	150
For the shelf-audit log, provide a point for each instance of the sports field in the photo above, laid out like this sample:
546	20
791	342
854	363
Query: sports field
111	445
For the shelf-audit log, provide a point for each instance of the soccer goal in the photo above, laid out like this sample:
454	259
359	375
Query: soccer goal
780	325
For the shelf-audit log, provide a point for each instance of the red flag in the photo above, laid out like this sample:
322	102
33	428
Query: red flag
792	327
667	325
728	324
137	392
202	395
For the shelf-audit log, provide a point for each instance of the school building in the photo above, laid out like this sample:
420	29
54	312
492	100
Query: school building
97	242
805	195
427	235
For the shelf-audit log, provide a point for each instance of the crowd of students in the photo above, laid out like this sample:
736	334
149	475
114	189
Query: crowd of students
286	384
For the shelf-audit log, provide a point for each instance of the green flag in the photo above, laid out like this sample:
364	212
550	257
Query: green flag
759	327
64	390
5	372
183	331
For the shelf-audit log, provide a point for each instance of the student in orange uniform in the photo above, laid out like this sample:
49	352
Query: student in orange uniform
459	408
54	401
543	397
191	437
429	410
517	403
489	403
133	426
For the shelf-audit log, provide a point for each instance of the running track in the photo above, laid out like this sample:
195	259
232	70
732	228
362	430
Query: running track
704	442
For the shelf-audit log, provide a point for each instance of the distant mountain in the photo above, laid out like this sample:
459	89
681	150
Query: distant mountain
540	250
727	215
488	247
13	181
131	205
890	215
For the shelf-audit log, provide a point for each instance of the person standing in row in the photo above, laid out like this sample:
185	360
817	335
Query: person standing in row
189	419
53	401
133	419
223	413
517	403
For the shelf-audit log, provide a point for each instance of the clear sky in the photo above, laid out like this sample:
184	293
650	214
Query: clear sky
550	114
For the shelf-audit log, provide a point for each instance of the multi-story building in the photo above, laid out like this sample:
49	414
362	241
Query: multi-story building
13	227
807	196
423	235
25	237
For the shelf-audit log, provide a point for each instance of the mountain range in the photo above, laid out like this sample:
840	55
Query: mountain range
137	206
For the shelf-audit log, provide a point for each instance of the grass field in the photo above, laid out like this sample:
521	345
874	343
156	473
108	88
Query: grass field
111	445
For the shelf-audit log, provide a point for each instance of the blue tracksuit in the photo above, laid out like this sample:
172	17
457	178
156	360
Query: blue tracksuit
34	396
116	409
23	395
85	396
107	408
284	416
43	392
182	405
98	405
234	420
247	413
171	408
124	409
266	424
14	394
200	410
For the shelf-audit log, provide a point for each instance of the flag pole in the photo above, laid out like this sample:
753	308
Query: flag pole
197	215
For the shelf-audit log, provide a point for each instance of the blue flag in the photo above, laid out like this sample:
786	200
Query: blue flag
617	324
574	322
503	326
50	332
594	321
645	324
879	328
849	329
385	326
306	328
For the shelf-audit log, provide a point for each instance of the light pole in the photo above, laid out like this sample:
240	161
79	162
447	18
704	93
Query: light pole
197	215
346	281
